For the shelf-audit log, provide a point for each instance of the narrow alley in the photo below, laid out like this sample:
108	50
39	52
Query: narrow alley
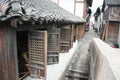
78	69
59	39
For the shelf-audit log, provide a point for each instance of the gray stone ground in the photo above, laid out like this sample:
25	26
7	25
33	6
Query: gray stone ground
79	67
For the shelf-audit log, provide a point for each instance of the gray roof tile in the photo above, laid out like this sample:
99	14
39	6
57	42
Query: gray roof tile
112	2
45	10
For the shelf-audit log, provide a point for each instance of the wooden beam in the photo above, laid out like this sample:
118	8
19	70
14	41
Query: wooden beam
103	34
106	36
72	35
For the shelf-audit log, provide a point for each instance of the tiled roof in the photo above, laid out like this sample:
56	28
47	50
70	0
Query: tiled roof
45	10
113	2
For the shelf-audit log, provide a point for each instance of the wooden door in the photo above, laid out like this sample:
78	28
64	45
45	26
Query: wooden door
113	31
37	48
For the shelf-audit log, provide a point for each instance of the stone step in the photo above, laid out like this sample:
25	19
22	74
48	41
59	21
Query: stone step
77	75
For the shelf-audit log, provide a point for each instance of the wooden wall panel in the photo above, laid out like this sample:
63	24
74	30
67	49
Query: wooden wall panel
106	14
8	53
12	52
113	31
53	45
3	54
65	38
114	13
74	33
119	35
79	31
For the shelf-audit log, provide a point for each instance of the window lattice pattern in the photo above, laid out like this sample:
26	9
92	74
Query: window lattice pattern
65	40
53	46
36	50
36	42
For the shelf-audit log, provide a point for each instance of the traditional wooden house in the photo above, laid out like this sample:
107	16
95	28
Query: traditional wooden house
111	21
69	34
97	20
30	36
87	12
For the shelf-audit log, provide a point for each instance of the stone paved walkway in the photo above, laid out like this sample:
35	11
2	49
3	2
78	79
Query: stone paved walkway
78	69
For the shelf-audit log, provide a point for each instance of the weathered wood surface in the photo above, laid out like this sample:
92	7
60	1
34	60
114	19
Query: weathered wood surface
119	36
113	32
110	32
72	36
114	13
37	41
8	54
105	14
80	31
65	38
53	46
103	35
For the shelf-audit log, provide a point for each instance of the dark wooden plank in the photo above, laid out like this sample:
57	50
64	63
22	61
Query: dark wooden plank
65	36
80	31
114	13
12	54
72	35
74	32
53	45
3	52
8	61
113	31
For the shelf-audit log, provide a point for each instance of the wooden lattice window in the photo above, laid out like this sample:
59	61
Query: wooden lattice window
65	36
37	41
53	46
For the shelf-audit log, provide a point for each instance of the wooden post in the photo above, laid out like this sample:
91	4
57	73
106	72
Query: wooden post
119	35
84	10
106	36
80	32
74	32
8	53
12	51
77	32
72	35
105	32
45	51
